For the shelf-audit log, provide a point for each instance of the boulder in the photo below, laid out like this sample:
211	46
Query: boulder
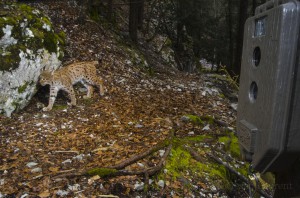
28	45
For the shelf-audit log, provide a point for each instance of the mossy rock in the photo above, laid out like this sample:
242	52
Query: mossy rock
28	45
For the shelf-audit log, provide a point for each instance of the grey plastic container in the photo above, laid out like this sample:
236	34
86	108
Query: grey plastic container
268	121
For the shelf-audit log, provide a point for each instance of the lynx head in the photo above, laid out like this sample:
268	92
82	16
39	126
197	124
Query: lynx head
45	78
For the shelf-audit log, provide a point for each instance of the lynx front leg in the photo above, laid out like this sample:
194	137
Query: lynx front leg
53	94
100	85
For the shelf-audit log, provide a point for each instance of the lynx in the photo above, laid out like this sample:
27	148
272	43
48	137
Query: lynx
65	77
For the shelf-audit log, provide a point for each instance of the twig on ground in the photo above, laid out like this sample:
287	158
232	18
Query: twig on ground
194	154
138	157
76	152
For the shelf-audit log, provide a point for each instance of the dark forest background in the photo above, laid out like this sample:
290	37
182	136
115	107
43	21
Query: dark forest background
195	29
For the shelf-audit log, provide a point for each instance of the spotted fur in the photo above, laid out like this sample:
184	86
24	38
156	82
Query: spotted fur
65	77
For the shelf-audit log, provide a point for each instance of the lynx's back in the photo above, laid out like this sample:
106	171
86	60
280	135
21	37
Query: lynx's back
80	71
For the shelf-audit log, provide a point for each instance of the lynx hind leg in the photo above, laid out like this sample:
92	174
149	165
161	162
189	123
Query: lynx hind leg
90	90
97	82
71	93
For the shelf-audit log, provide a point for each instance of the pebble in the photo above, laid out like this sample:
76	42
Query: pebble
161	183
139	186
31	164
36	170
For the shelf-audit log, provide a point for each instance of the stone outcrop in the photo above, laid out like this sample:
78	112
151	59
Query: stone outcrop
28	45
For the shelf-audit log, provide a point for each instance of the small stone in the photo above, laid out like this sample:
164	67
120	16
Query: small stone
161	183
139	186
161	152
31	164
79	157
36	170
1	182
184	118
139	126
206	128
75	187
67	161
141	165
62	193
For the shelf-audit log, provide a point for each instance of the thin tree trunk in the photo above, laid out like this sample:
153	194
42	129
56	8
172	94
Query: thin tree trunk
240	35
110	10
136	9
230	31
140	14
133	20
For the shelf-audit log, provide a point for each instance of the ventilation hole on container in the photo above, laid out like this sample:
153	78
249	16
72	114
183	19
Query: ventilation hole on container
256	56
253	92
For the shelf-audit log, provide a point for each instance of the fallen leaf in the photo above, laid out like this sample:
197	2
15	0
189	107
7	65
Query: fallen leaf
54	169
44	194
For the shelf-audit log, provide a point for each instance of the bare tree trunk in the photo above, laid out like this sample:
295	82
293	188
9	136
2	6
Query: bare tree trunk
110	10
240	35
136	9
140	14
230	33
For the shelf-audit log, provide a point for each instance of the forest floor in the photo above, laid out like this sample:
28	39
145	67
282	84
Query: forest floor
46	154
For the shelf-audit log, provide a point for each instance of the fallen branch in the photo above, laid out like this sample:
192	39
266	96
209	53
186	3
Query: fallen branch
76	152
105	172
108	196
194	154
138	157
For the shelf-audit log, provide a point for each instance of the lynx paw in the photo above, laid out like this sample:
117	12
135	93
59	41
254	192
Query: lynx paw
86	97
71	104
46	109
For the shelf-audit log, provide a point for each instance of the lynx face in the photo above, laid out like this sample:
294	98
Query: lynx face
45	78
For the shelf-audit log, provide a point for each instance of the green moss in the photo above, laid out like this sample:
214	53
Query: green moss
22	88
178	161
231	144
195	119
208	119
10	59
25	8
59	107
181	161
198	138
102	172
222	95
